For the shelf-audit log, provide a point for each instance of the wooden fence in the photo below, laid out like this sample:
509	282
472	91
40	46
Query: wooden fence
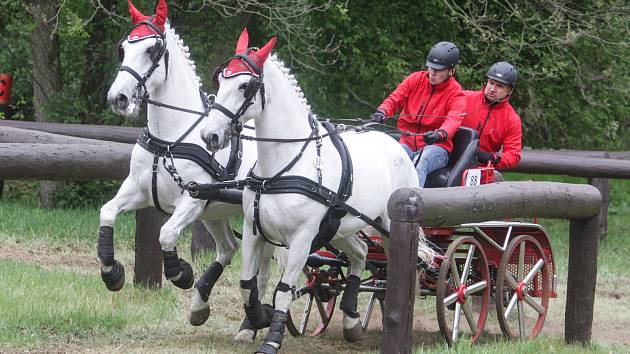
410	209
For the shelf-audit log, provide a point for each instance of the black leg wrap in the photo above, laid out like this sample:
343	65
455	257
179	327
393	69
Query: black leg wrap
206	282
350	294
106	245
257	317
267	309
115	279
275	334
173	266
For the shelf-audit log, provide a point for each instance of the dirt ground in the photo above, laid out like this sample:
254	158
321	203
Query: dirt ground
610	324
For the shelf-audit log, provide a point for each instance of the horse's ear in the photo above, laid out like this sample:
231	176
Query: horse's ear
263	52
243	41
136	16
160	14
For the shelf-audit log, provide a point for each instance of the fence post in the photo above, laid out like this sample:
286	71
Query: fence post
148	268
401	277
202	240
603	186
581	280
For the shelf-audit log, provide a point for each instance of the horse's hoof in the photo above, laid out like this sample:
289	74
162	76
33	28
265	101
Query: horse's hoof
199	317
199	310
267	348
115	279
186	278
352	330
245	336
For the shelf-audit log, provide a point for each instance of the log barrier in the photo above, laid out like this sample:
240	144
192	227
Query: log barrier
410	209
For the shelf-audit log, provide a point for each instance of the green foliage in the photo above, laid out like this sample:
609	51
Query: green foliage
573	57
85	193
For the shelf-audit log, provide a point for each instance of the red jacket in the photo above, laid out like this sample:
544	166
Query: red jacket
498	126
426	107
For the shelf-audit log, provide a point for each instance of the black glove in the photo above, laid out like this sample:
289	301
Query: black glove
485	157
378	117
436	136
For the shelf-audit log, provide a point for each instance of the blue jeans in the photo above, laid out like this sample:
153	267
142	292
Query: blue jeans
433	158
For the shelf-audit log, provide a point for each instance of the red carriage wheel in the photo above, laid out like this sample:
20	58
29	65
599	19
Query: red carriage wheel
320	288
463	290
523	288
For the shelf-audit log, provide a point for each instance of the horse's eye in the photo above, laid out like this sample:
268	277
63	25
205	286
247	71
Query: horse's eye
243	86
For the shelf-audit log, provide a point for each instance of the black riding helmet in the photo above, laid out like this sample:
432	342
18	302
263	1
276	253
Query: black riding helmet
503	72
442	56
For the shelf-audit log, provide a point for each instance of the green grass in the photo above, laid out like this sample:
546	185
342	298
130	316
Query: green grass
52	298
43	305
21	222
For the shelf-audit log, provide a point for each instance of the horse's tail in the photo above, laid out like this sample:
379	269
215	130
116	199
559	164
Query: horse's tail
281	255
425	252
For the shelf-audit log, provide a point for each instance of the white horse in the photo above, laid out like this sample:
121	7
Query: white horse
380	166
155	61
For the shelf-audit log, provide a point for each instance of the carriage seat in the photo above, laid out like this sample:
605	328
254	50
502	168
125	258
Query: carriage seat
463	157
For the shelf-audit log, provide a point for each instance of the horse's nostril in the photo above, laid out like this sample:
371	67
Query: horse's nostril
214	139
122	102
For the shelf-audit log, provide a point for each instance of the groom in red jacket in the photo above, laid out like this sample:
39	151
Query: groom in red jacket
490	113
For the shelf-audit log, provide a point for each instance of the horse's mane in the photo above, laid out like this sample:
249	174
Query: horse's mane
171	35
273	58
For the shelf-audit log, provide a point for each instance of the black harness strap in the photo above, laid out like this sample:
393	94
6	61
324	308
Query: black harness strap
154	191
192	152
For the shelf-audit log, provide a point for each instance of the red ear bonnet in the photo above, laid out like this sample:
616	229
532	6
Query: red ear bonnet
258	57
144	31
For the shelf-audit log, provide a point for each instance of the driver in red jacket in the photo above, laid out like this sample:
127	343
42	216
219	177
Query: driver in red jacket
432	105
490	113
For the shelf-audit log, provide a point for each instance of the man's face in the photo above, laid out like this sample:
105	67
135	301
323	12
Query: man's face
438	76
495	91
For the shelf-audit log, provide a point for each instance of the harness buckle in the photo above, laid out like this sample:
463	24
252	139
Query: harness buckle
319	162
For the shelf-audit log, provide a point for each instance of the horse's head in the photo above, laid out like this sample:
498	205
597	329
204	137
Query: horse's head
143	60
241	93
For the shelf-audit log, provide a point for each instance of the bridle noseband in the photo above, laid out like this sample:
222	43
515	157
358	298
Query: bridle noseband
157	52
254	86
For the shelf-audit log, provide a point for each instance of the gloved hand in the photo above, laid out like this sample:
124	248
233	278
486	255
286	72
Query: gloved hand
485	157
378	117
436	136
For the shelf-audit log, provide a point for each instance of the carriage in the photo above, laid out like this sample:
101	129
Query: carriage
507	262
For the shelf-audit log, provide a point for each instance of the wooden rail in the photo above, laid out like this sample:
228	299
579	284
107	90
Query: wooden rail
410	209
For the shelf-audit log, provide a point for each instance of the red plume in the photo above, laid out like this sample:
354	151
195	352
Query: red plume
263	52
160	14
243	41
136	16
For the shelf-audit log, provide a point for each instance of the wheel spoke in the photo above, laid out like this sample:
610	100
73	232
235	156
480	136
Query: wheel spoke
510	279
321	309
521	260
306	313
531	302
470	318
510	306
454	272
368	312
449	300
521	319
533	272
469	257
458	311
475	288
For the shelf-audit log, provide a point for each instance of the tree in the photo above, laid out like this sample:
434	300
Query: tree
46	71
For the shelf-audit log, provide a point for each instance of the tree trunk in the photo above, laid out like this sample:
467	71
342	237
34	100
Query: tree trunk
46	71
98	58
